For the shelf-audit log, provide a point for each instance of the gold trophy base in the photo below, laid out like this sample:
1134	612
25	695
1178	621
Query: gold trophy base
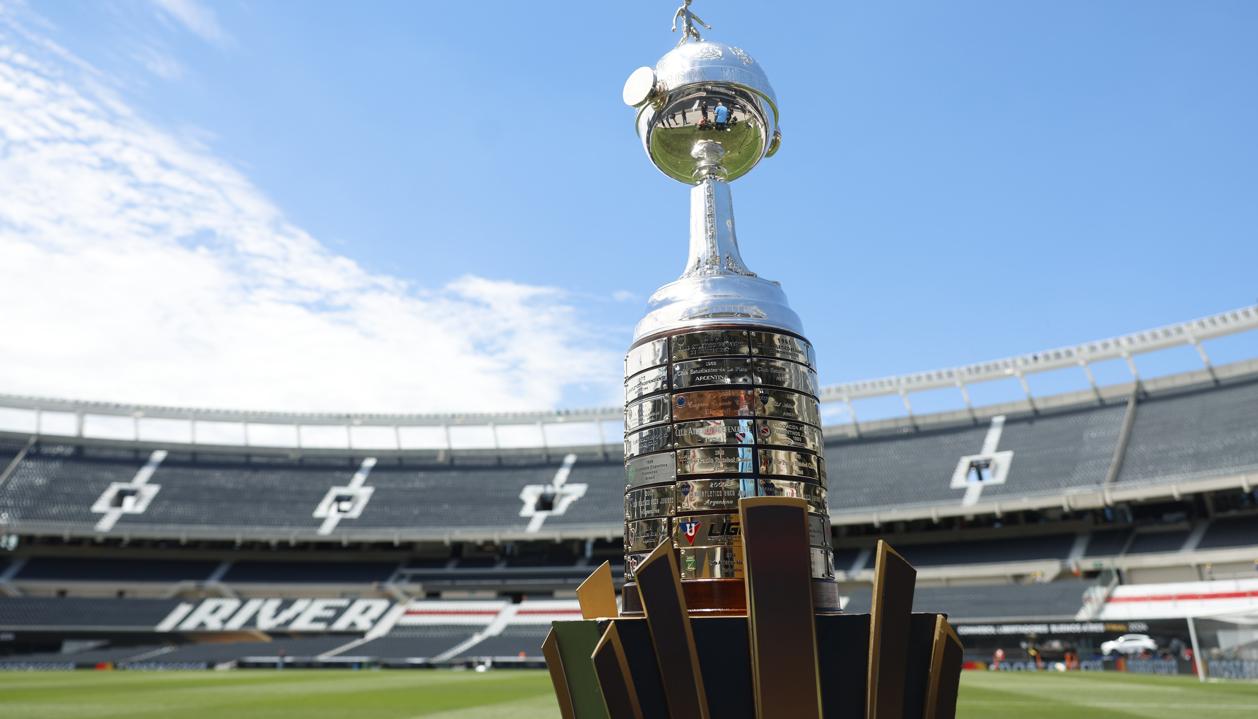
786	655
727	598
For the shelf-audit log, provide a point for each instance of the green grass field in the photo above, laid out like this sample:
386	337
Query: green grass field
526	694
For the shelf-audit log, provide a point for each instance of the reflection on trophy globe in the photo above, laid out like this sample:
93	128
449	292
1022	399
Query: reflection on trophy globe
704	93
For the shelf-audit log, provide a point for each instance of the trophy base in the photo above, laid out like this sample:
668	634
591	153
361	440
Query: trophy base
727	598
777	659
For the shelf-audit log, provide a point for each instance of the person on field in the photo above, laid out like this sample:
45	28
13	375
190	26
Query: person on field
722	115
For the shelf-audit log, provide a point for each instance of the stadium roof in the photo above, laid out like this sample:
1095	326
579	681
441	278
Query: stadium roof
53	417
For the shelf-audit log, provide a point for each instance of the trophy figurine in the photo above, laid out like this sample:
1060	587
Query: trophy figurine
730	607
720	382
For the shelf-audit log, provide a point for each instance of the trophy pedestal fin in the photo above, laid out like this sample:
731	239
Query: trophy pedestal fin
726	597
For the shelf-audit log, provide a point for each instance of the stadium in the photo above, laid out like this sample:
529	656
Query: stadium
142	537
312	342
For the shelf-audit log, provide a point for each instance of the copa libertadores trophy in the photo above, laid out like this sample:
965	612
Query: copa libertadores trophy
720	382
730	607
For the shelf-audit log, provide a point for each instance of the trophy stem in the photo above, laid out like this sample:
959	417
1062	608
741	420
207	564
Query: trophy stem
713	241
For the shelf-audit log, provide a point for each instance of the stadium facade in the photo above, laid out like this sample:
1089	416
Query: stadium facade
174	537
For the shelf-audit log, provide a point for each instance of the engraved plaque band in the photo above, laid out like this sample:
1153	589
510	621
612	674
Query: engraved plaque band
711	562
723	530
811	493
648	354
772	344
714	431
645	535
818	530
644	383
784	404
791	463
822	563
650	469
648	502
788	434
779	373
652	410
713	494
712	343
713	372
706	404
632	560
652	439
727	563
707	530
716	460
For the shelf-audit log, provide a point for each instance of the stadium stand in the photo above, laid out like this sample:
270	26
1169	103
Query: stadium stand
445	552
30	613
9	449
1049	601
603	502
1231	532
905	467
1057	454
514	641
413	643
1164	541
221	653
80	569
450	497
1107	542
254	572
240	492
1005	549
1195	432
59	483
1054	453
87	658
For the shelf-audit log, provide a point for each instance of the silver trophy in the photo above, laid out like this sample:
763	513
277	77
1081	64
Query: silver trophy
720	383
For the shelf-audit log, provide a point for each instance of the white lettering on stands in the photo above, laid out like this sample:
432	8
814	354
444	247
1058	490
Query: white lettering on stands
361	615
210	614
245	614
301	615
316	615
268	618
175	617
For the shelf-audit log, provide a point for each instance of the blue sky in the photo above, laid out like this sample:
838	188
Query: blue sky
958	181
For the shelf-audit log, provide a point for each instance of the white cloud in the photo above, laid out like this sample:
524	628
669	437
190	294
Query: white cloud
136	266
158	62
196	18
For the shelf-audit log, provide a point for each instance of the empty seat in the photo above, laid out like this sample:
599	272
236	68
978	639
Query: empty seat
514	641
30	613
985	551
1040	602
405	643
1149	542
1199	432
220	653
259	572
1231	532
83	569
1107	542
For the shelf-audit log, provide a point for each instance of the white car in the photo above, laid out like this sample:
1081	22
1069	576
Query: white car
1129	644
